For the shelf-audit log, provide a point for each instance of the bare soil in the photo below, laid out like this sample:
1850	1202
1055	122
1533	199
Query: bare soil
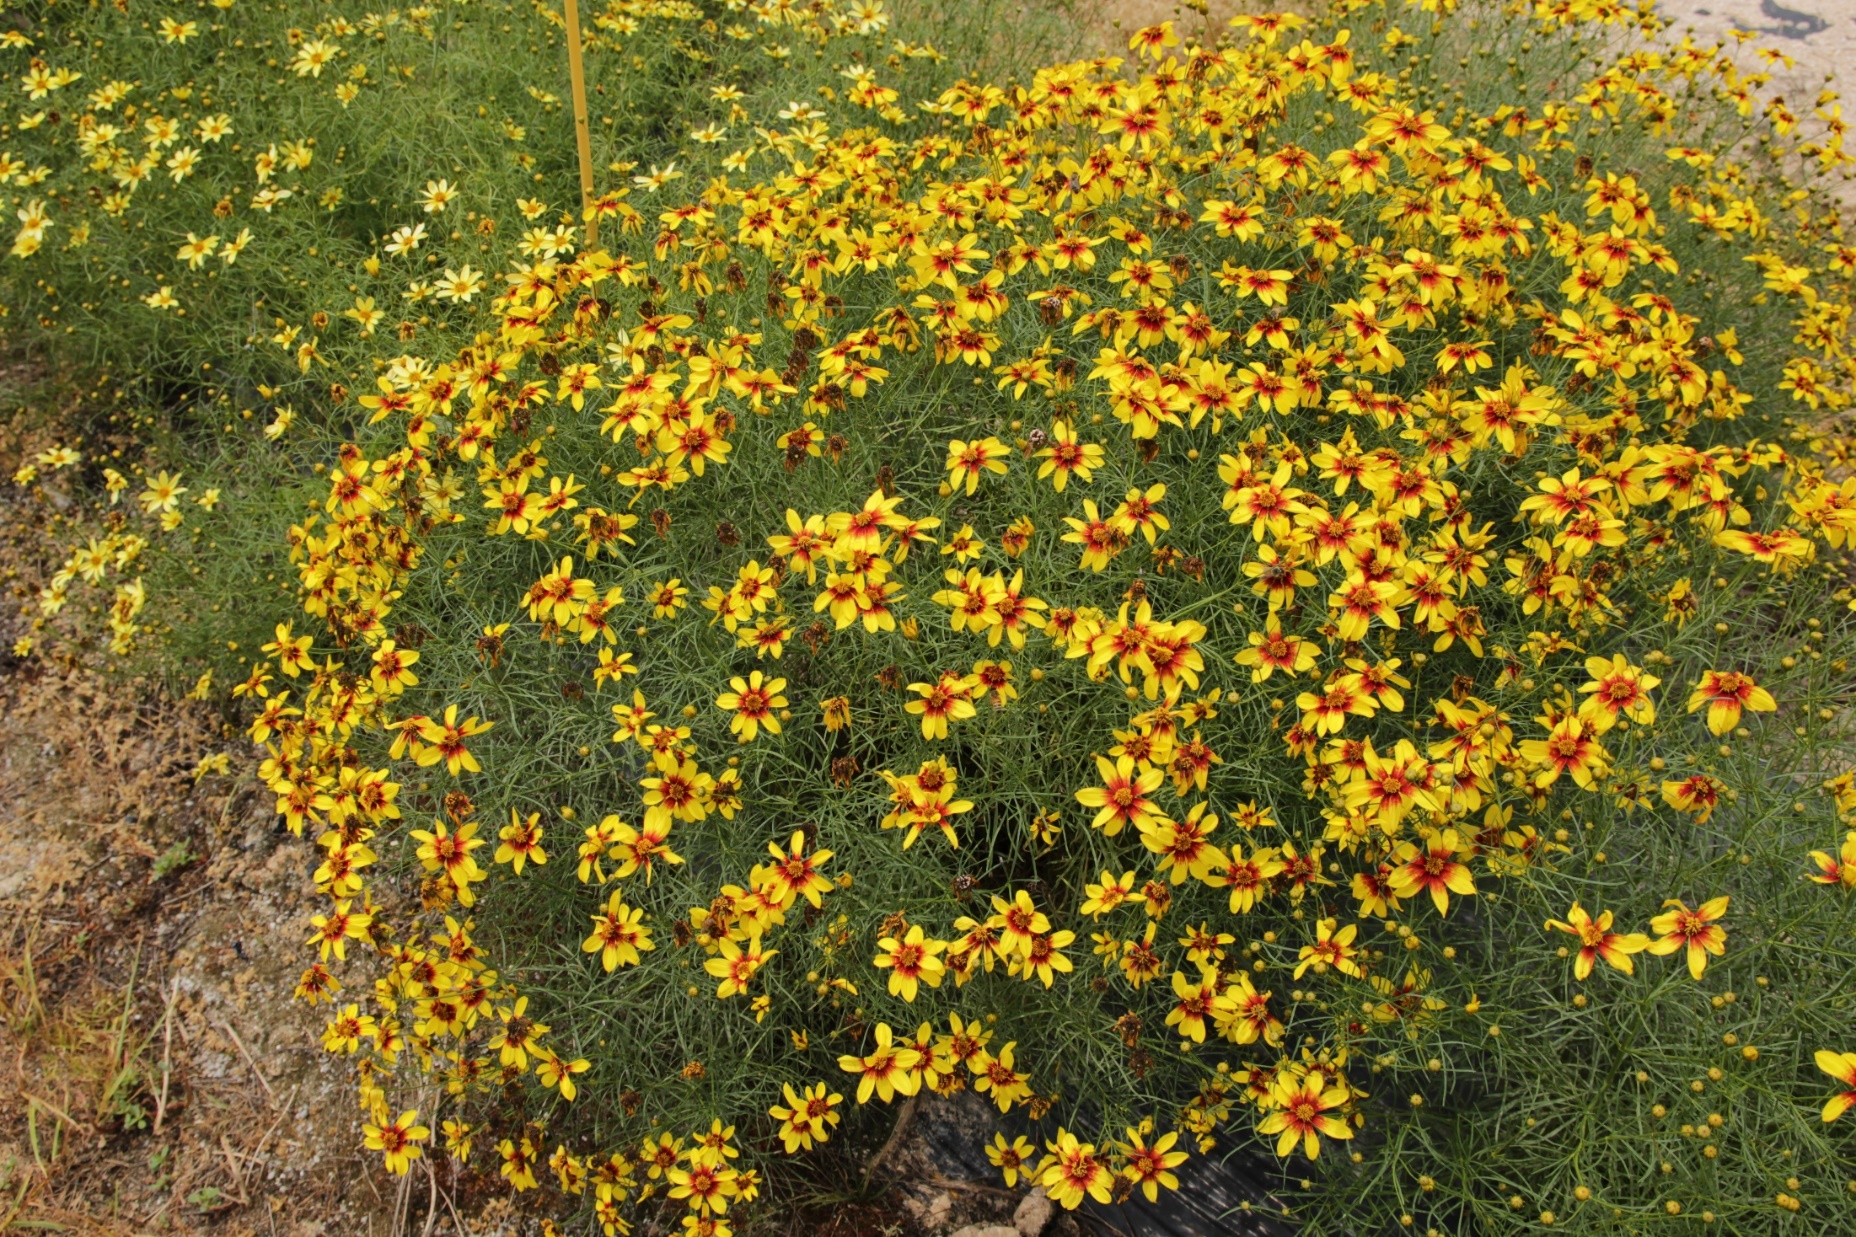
154	1074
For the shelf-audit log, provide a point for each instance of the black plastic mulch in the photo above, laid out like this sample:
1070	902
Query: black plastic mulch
1210	1202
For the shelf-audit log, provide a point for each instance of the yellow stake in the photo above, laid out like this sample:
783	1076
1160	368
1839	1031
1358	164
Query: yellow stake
583	137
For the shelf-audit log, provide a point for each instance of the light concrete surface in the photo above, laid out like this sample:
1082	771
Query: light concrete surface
1818	38
1819	35
1817	43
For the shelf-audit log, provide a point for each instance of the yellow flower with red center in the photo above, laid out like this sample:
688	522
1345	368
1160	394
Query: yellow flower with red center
1112	893
450	853
1243	1014
1361	601
676	790
1018	922
966	461
1150	1165
521	841
1270	650
1181	845
887	1071
1725	693
1125	796
1101	539
1695	932
941	701
1388	787
558	1075
560	596
1073	1171
1000	1076
1571	748
631	718
445	742
1373	891
517	1036
392	673
1839	869
1248	878
1194	1007
705	1188
807	1118
994	678
1842	1067
1042	958
754	701
1304	1109
736	964
619	935
1433	867
398	1140
1617	690
1597	940
1067	457
1782	546
1011	1158
1139	511
912	960
333	931
1696	794
1332	947
519	1160
796	874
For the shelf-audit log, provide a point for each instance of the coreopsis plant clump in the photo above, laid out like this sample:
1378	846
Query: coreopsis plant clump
1198	597
1149	600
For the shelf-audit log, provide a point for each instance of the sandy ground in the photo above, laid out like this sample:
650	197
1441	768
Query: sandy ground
151	931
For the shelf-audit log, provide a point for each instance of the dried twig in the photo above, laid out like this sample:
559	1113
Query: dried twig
457	1221
240	1045
167	1054
402	1201
903	1121
431	1199
258	1150
254	1156
184	1175
19	1203
238	1175
368	1178
949	1183
56	1111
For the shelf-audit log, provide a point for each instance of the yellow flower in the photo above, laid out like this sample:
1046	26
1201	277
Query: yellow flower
397	1140
966	461
1692	932
1303	1109
754	701
163	493
1724	693
888	1070
911	960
